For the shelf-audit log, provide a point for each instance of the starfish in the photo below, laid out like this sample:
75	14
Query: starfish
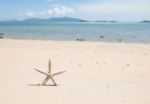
49	75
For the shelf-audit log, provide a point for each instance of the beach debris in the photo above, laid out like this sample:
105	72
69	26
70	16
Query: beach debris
49	75
123	101
96	62
128	65
1	35
107	86
79	65
120	40
101	37
133	37
80	39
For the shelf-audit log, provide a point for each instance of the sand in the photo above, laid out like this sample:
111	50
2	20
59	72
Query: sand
97	73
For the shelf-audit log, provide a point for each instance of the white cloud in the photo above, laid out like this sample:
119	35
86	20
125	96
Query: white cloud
123	10
30	14
58	10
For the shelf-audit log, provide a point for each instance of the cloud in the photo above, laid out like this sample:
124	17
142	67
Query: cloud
55	11
122	10
30	14
59	11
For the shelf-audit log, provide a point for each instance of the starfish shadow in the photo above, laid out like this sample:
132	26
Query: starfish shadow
41	85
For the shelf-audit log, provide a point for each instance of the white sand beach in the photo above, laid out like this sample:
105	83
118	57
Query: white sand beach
97	73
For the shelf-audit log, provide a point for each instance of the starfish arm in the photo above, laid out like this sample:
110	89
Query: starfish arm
58	73
45	80
55	84
41	71
49	66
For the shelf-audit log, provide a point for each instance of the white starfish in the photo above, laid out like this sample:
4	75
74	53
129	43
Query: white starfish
49	75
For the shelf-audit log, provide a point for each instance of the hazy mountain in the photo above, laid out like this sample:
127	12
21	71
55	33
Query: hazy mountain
58	19
39	20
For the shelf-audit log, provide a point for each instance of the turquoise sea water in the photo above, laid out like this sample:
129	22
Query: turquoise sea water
90	31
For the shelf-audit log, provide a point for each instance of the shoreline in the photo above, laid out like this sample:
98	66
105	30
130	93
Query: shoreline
79	41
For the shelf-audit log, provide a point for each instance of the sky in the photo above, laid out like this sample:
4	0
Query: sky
120	10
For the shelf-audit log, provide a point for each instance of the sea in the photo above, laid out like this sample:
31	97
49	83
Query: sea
127	32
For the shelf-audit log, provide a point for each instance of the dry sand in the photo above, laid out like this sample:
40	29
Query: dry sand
97	73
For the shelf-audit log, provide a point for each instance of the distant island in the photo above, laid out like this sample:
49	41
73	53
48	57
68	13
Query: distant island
58	19
48	20
147	21
105	21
